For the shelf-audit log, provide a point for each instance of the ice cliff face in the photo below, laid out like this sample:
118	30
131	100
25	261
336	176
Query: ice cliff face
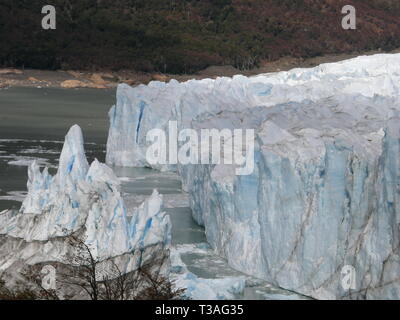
84	201
325	192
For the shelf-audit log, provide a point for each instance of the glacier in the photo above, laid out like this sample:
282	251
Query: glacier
83	201
325	191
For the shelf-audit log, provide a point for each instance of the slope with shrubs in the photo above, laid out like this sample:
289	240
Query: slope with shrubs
183	36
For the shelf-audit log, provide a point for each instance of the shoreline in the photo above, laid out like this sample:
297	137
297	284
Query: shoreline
101	80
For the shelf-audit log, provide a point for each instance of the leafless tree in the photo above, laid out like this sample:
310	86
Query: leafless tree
146	283
157	287
83	273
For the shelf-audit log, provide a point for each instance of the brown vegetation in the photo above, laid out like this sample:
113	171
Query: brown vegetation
184	36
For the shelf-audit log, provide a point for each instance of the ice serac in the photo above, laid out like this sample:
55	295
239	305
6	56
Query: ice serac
325	190
85	202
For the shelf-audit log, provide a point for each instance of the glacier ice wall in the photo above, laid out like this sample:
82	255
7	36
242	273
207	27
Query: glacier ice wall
197	288
325	190
83	201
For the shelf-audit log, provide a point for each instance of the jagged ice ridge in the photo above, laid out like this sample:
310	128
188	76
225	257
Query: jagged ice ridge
86	201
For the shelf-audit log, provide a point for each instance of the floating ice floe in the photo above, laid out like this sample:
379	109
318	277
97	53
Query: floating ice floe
18	196
28	161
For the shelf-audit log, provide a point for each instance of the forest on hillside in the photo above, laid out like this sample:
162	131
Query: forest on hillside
184	36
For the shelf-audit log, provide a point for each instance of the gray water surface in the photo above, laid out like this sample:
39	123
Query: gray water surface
48	113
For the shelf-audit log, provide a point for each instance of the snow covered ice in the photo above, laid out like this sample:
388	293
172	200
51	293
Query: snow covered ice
325	192
86	201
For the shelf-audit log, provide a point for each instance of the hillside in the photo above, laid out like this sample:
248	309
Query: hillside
184	36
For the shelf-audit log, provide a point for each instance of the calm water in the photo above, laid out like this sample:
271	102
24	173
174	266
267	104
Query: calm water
33	123
32	113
